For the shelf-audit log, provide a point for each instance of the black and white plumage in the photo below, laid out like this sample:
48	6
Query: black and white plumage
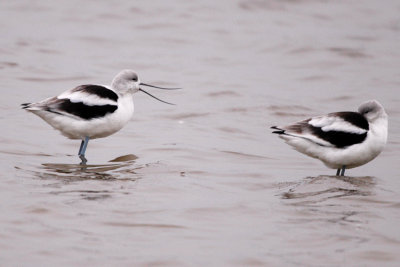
91	111
342	139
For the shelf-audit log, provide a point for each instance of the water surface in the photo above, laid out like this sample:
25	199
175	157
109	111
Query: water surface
203	182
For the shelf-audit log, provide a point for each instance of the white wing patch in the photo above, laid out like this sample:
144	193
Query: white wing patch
310	137
335	123
86	98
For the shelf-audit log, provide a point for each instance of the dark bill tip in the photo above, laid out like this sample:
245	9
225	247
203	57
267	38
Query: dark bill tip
140	89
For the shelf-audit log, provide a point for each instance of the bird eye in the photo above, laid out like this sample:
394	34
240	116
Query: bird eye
134	79
367	111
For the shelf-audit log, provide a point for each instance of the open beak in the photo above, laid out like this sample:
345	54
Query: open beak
163	88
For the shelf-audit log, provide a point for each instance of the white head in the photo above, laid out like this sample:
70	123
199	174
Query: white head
372	110
126	81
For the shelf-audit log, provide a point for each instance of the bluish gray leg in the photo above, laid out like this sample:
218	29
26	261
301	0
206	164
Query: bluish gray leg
343	169
338	172
82	150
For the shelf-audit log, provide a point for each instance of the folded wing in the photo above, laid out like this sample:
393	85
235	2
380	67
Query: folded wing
341	129
84	102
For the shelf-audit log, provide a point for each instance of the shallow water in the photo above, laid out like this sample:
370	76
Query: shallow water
203	182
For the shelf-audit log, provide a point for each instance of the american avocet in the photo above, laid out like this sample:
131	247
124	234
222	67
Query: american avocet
92	111
342	139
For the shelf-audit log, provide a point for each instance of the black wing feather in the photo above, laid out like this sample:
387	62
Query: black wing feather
98	90
337	138
354	118
81	110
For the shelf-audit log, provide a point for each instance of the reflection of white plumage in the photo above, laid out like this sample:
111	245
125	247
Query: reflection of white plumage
91	111
342	139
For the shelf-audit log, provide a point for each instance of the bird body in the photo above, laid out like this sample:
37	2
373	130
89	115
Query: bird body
92	111
340	139
79	112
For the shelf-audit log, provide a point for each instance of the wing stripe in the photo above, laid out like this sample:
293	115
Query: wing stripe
81	110
338	138
98	90
354	118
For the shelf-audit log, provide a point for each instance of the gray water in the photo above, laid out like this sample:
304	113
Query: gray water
202	183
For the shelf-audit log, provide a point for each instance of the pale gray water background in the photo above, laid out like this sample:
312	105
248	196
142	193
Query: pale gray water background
203	183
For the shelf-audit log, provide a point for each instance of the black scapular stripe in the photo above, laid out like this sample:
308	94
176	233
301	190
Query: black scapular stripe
98	90
343	139
85	111
339	139
354	118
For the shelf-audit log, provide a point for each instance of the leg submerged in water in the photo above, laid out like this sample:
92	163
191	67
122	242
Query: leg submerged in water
338	173
343	169
82	150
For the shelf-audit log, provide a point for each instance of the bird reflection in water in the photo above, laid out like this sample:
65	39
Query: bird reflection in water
120	168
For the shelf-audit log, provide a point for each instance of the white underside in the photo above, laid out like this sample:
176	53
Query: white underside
77	128
351	156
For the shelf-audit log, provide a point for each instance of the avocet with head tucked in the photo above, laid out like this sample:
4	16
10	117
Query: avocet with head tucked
342	139
92	111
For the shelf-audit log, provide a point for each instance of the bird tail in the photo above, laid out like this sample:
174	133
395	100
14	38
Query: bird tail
25	105
278	130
